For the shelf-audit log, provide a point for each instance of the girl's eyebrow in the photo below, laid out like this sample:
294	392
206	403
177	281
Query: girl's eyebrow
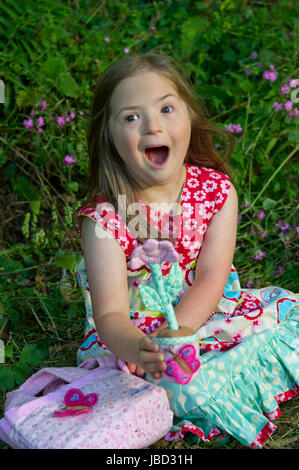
137	107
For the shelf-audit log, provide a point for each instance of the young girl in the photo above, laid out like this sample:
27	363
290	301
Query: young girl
152	152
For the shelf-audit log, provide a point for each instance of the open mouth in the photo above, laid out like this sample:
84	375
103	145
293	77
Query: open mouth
157	156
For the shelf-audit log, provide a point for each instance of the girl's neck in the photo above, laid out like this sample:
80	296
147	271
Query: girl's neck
168	194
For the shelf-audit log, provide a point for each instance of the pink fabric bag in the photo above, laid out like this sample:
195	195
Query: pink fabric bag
129	413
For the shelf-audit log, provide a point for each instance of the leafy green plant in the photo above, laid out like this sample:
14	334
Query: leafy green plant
16	374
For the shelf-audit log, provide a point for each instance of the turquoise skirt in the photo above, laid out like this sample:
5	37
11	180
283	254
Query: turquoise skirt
238	390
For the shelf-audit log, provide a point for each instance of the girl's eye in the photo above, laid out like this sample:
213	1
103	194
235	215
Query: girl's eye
168	106
128	118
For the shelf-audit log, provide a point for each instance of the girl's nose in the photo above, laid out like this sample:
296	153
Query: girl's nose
152	124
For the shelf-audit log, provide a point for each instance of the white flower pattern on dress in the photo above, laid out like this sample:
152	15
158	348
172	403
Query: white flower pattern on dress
193	183
200	195
124	242
191	224
186	194
225	185
215	175
219	198
194	171
188	210
209	186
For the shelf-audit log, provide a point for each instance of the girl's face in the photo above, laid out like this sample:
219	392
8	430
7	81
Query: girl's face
147	113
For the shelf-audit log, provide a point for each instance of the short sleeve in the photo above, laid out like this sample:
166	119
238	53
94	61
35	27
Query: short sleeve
105	215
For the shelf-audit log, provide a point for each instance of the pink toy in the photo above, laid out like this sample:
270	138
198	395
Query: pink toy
183	364
76	403
179	344
153	252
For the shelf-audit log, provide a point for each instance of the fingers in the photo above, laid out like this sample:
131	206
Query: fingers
136	370
132	367
151	359
140	372
148	344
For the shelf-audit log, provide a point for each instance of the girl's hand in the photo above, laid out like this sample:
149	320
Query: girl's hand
150	359
135	370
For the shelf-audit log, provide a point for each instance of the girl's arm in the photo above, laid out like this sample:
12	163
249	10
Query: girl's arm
107	278
213	267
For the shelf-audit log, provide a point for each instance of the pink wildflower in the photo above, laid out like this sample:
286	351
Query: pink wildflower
294	113
284	228
28	123
294	83
126	50
40	121
72	114
258	256
277	106
69	159
234	128
106	39
279	271
60	121
270	74
261	215
44	105
285	89
279	223
288	105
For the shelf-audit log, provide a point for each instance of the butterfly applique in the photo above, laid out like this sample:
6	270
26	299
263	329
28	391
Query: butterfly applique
183	364
76	403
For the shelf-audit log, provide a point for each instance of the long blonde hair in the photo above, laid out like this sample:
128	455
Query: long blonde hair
108	175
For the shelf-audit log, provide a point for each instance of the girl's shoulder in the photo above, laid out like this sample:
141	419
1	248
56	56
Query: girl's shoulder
90	207
107	216
100	211
206	179
206	186
203	173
